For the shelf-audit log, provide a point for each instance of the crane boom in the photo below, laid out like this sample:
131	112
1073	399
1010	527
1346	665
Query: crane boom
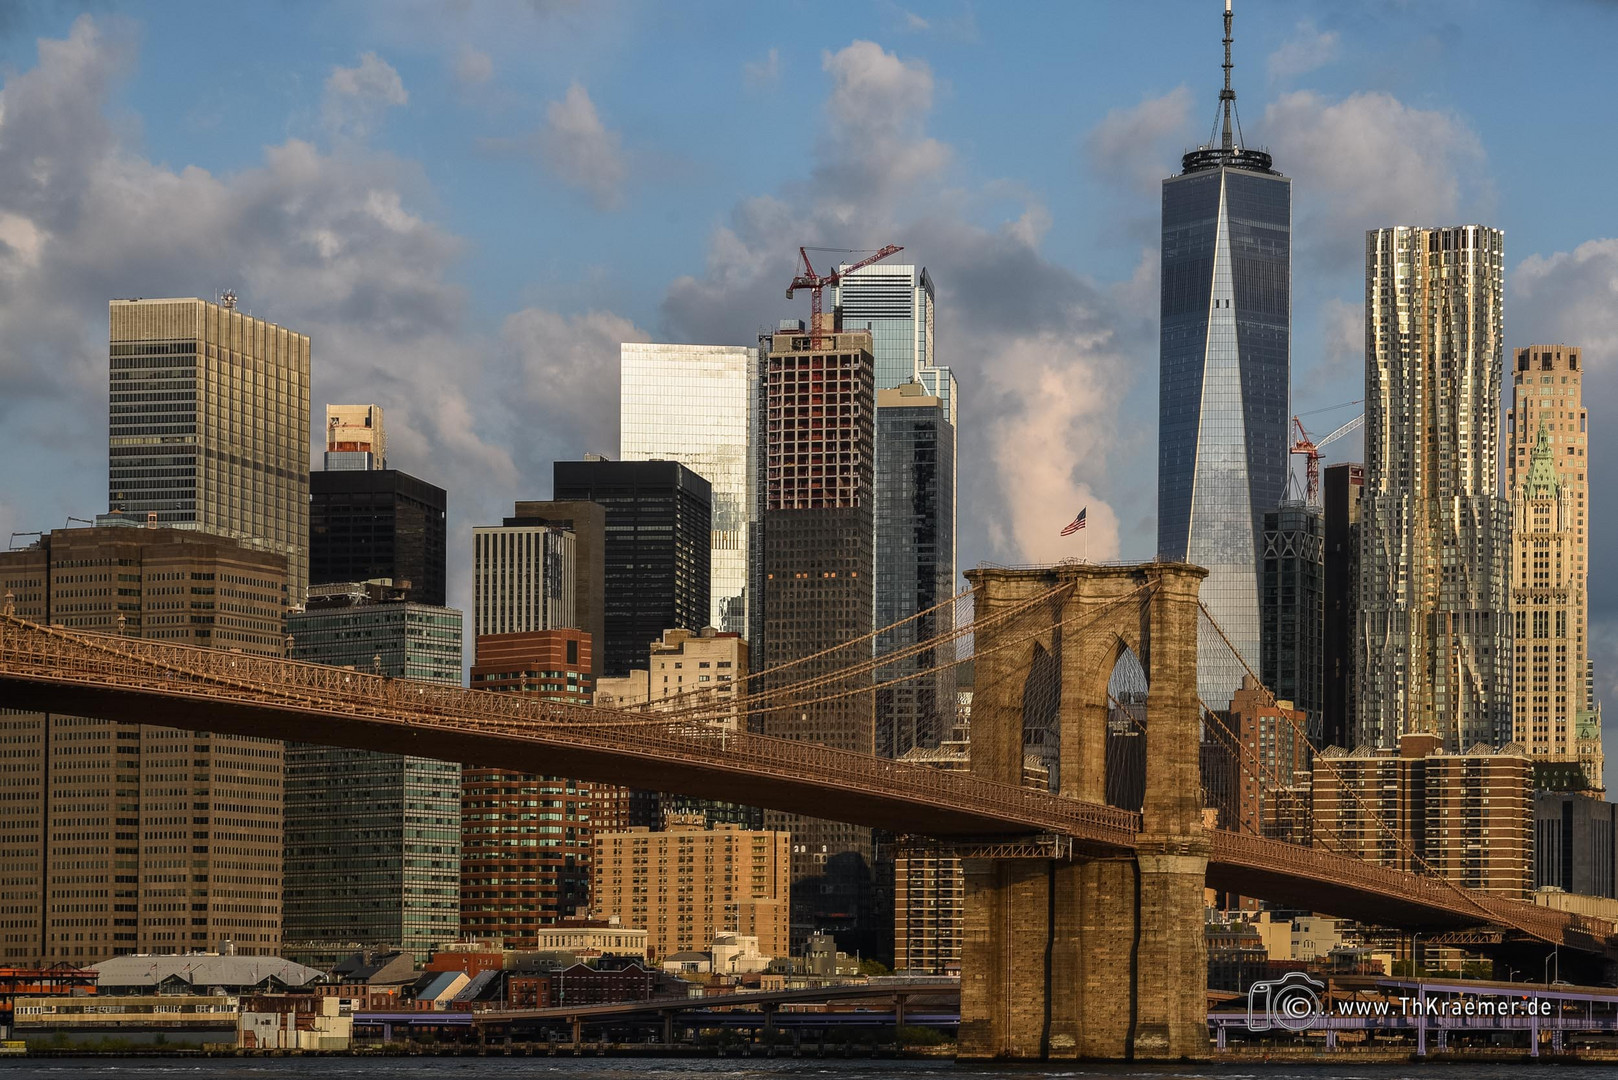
815	283
1341	431
1310	449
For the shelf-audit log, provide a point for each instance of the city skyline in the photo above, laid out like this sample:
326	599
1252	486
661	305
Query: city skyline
1011	476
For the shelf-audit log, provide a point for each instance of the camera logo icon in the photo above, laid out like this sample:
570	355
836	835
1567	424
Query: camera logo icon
1292	1002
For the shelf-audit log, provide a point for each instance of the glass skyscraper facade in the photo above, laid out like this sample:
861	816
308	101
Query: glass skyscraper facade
694	404
209	425
895	302
366	524
1434	531
373	841
655	561
1294	608
915	564
1224	355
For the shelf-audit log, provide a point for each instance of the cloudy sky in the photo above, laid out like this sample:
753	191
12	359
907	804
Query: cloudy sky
469	205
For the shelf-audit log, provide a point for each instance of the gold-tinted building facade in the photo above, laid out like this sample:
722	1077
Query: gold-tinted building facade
689	882
118	839
209	425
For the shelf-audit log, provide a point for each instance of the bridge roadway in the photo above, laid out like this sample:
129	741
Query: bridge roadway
138	681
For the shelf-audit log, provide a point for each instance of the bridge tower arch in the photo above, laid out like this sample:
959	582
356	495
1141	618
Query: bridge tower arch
1092	955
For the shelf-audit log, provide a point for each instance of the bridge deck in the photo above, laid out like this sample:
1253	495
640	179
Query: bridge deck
138	681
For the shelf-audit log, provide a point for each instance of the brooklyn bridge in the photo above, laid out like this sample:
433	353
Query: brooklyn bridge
1084	921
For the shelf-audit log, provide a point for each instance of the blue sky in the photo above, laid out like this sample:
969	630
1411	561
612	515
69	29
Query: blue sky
468	205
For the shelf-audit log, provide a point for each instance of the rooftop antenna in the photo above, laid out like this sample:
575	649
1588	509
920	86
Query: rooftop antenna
1227	96
227	299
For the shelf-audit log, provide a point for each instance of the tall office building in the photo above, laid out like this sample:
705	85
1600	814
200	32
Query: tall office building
819	532
137	838
896	303
1293	608
1224	354
1434	531
209	425
368	522
1575	843
523	578
656	561
527	839
373	841
1341	486
694	404
1554	711
378	524
915	565
587	522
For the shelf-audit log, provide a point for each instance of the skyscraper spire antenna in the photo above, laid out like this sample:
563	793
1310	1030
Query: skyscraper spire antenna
1227	96
1225	145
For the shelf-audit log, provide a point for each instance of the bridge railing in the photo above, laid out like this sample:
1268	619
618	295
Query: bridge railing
1264	853
66	656
53	655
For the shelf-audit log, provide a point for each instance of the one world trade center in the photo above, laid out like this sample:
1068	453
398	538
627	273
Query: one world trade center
1224	354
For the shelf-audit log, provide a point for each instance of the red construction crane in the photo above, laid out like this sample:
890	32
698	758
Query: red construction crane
1310	450
815	282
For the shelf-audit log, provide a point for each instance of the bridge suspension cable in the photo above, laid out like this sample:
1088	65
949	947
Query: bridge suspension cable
1345	785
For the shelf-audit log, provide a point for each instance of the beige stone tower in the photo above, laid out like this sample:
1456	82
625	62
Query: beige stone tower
1554	714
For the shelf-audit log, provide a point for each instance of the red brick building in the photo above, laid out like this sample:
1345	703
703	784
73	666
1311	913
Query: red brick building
526	839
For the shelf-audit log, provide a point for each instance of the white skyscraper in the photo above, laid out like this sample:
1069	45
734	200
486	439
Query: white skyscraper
691	404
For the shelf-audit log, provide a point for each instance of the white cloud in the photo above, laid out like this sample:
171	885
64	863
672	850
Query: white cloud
1042	356
1570	296
1307	49
472	67
875	145
1134	146
328	243
578	149
556	359
1370	161
765	72
357	97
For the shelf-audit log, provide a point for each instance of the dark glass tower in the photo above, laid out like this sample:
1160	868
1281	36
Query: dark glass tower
1342	487
377	523
657	551
1293	607
915	565
1225	350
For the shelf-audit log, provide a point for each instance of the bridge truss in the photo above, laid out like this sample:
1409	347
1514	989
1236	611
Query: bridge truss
903	678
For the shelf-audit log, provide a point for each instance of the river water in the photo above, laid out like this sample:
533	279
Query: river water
448	1068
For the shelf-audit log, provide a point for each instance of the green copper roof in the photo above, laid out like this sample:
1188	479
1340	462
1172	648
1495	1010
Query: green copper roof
1542	478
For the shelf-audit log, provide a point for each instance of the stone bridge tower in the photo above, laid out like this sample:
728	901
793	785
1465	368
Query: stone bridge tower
1101	955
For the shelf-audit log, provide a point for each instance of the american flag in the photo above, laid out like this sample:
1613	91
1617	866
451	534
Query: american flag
1076	524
